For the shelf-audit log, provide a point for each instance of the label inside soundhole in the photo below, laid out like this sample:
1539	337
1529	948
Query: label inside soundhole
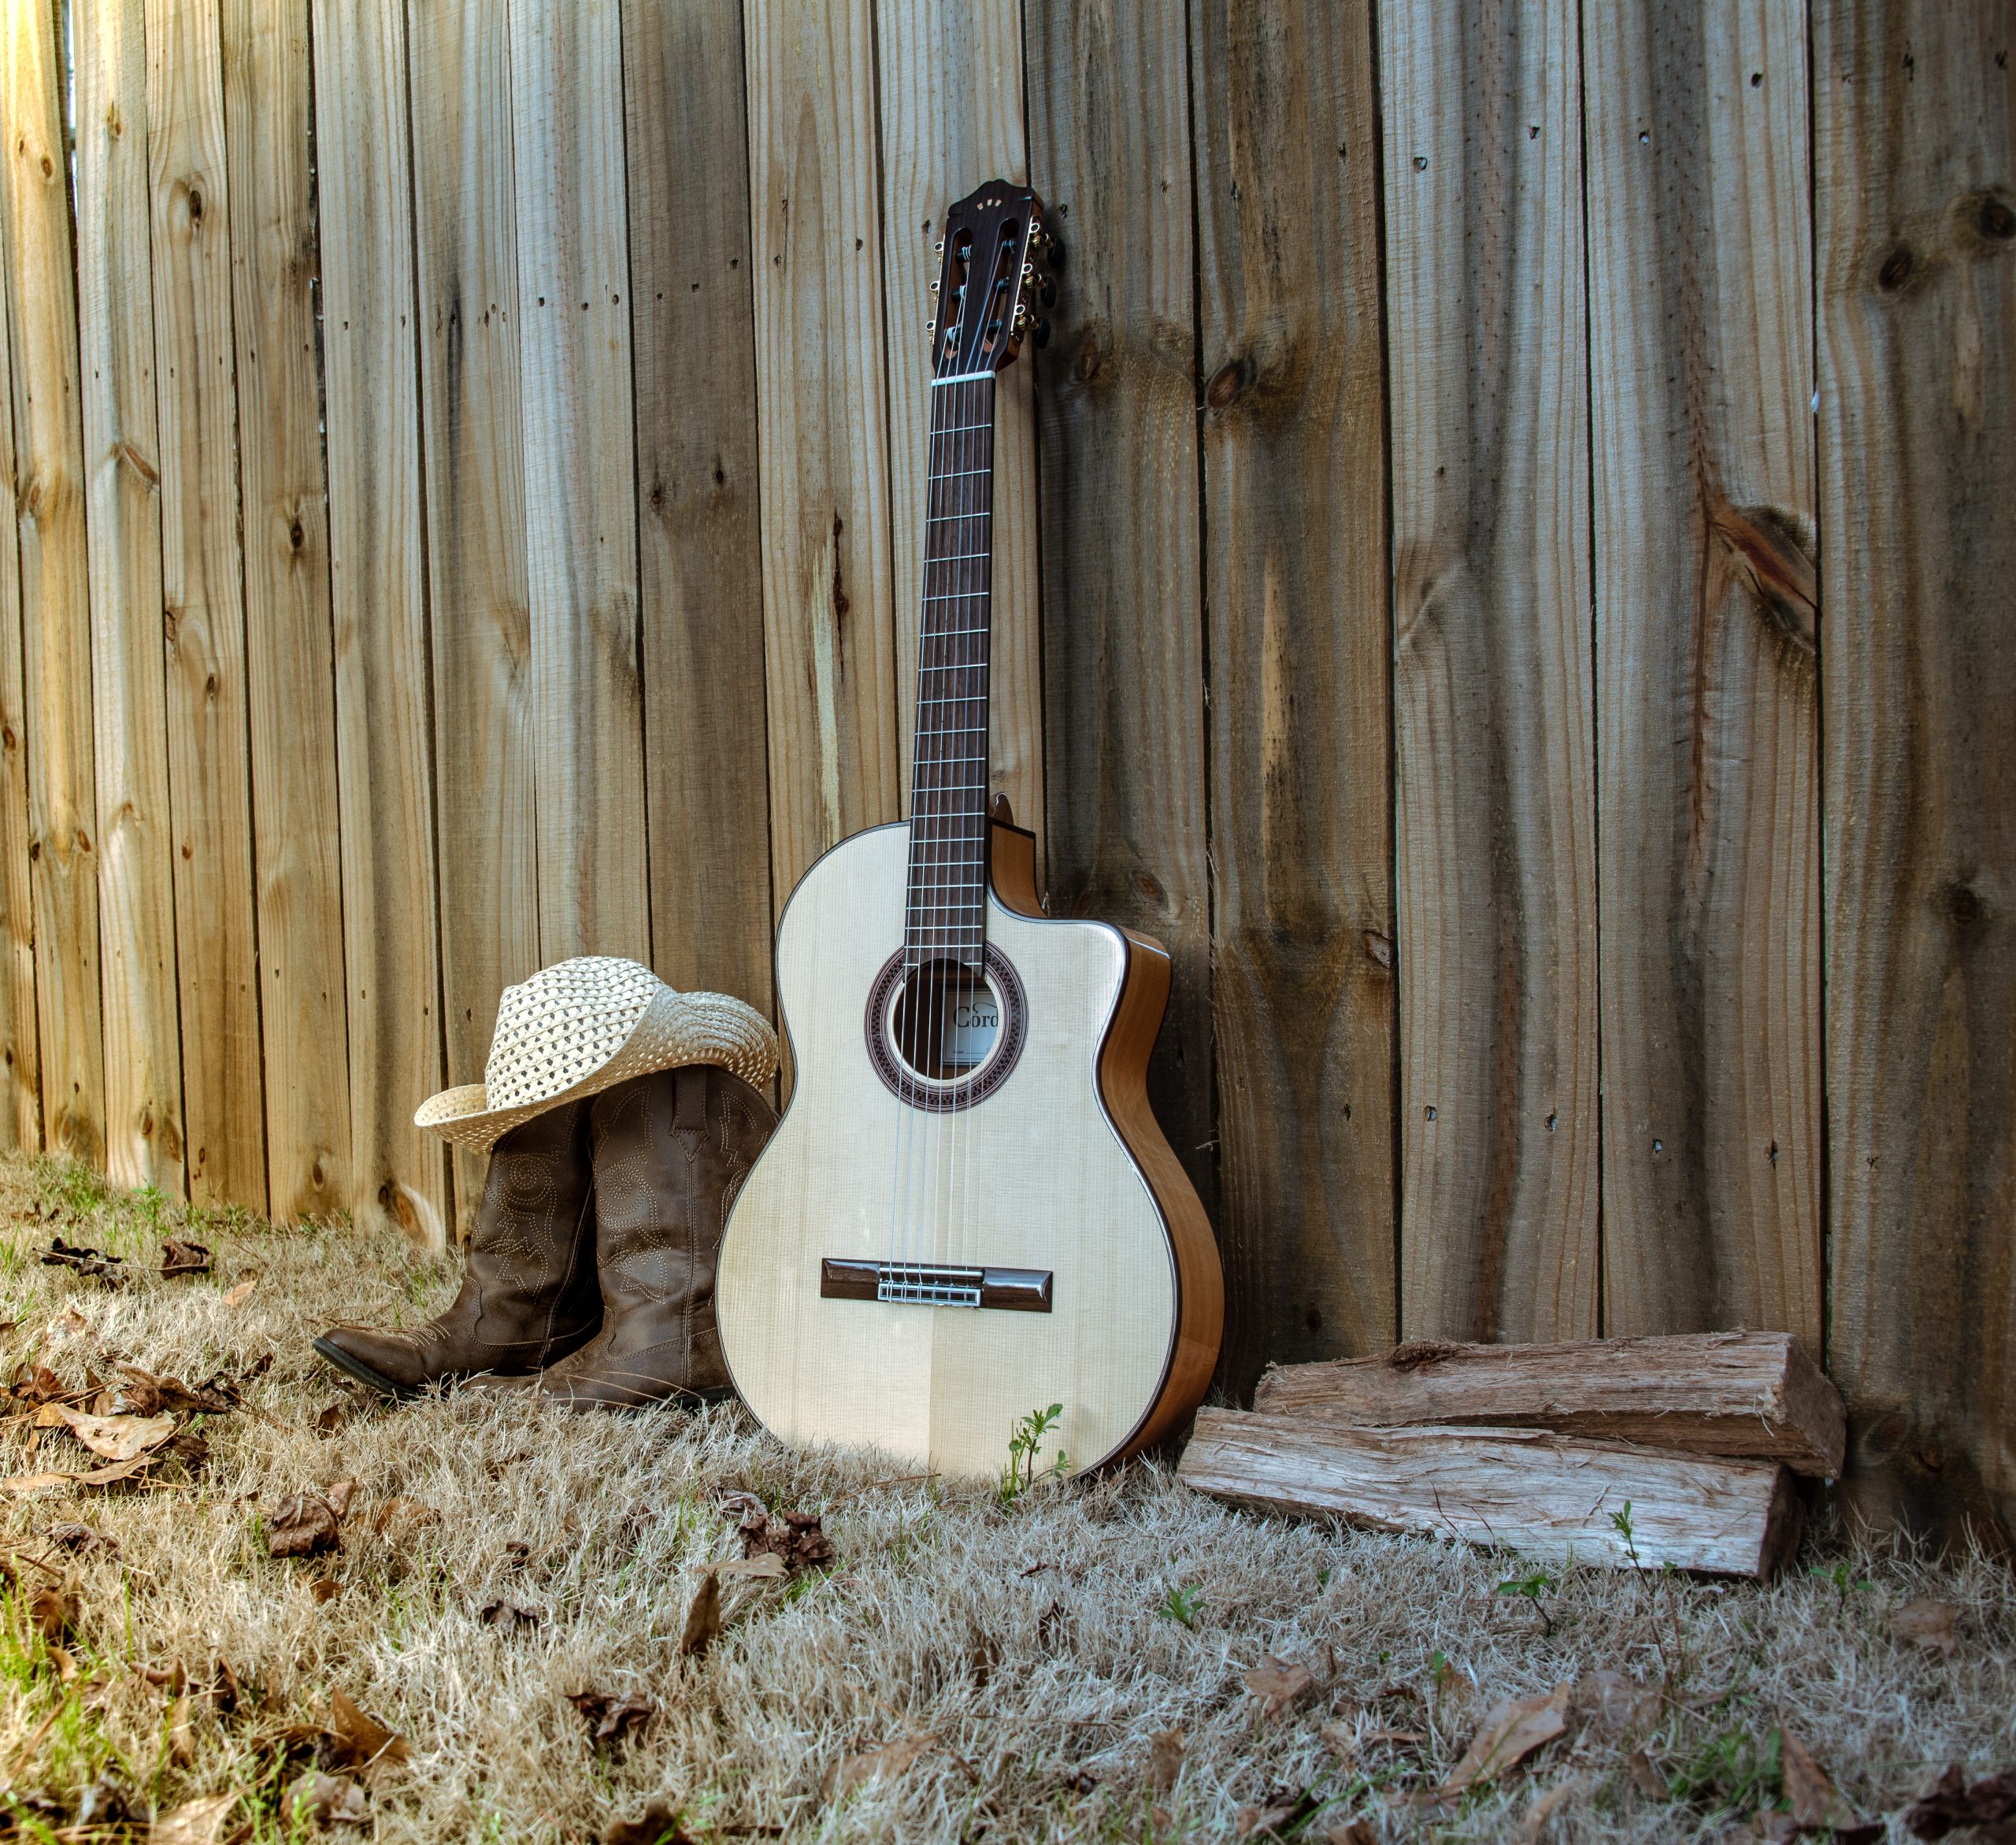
946	1021
943	1035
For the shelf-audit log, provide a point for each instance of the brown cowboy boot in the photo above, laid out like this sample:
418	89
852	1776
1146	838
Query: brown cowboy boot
671	1151
528	1293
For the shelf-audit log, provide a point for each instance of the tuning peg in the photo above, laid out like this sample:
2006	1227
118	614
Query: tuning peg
1042	335
1047	292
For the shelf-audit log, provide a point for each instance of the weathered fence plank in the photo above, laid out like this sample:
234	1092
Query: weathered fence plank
480	619
390	942
1914	147
1701	350
1117	419
953	118
580	477
706	773
1295	556
1493	756
203	602
20	1080
815	219
62	850
289	646
116	338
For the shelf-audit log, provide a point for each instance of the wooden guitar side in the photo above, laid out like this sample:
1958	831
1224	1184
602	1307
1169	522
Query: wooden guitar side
1061	1169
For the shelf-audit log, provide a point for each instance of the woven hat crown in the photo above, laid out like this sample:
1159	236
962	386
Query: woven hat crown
564	1022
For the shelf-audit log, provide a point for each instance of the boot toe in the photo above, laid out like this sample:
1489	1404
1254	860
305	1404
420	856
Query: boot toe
387	1363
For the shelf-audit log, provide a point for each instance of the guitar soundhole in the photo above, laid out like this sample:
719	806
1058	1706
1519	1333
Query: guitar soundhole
942	1035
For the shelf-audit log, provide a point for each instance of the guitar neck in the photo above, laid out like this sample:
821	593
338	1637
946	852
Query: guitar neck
946	916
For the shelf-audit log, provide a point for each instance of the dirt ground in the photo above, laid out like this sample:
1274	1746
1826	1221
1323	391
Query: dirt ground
1113	1658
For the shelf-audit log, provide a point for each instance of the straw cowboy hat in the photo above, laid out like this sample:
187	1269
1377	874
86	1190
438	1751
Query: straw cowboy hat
585	1025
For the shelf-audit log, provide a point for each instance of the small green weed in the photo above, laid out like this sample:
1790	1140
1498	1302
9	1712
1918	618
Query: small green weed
1534	1584
1183	1605
1842	1578
1733	1769
1024	1442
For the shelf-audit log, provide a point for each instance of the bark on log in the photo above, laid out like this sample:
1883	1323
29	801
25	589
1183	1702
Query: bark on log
1525	1490
1753	1394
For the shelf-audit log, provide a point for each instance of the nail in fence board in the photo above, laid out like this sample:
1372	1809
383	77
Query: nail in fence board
706	773
400	1175
1295	556
1493	755
1701	350
20	1088
1756	1394
1551	1496
289	636
122	475
203	598
1914	153
1116	422
35	194
815	229
580	477
952	116
480	619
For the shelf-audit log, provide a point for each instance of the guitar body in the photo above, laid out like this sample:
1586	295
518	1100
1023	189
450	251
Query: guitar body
1038	1158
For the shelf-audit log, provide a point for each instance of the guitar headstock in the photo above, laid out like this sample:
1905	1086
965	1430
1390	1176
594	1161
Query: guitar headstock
994	280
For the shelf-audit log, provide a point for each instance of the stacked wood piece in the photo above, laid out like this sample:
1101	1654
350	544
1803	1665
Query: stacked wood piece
1542	1448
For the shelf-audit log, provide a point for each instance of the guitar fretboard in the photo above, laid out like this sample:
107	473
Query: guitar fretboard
946	917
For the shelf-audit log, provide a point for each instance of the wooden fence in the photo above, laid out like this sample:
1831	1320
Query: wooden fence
1507	568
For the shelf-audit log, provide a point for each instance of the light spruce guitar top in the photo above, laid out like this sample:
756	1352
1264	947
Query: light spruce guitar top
968	1215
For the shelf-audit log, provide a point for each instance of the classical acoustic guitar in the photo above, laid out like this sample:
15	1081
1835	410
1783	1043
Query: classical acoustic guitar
967	1214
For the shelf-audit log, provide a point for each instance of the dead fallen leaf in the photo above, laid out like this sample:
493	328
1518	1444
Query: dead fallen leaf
333	1418
181	1733
37	1384
1645	1778
1816	1803
397	1509
340	1496
94	1262
184	1258
325	1589
329	1799
1928	1624
117	1438
874	1765
1340	1742
1277	1682
304	1525
359	1740
769	1565
238	1296
1512	1730
500	1613
1953	1802
1353	1831
1277	1811
194	1822
1538	1816
703	1619
80	1539
658	1824
518	1554
610	1720
797	1537
53	1611
1612	1701
224	1692
173	1677
143	1393
1165	1751
1396	1739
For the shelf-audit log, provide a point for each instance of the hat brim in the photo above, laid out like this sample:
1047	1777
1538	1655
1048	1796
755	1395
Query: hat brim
677	1030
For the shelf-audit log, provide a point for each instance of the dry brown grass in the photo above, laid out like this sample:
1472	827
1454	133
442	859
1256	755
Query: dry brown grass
1034	1644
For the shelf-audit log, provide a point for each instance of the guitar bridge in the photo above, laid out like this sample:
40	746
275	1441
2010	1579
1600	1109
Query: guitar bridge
936	1284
